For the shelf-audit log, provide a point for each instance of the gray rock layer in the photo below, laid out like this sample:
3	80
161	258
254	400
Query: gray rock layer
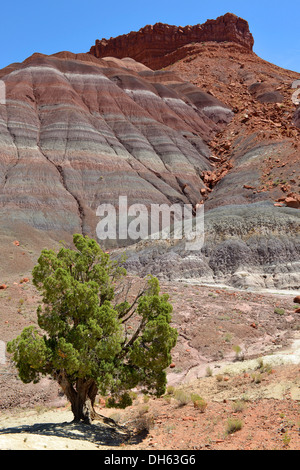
248	246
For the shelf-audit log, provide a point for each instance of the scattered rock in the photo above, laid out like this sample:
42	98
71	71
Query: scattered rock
293	201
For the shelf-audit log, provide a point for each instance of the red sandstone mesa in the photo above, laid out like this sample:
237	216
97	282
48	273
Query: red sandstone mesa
153	44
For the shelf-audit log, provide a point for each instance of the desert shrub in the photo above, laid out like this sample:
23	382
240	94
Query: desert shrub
170	390
143	409
144	422
279	311
268	368
257	378
146	398
233	425
238	406
182	397
199	402
245	398
133	395
286	439
238	350
228	337
260	363
264	367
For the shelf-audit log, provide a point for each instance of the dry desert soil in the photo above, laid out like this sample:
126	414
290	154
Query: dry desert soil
255	387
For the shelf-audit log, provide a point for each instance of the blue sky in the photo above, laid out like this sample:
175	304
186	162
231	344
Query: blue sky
53	26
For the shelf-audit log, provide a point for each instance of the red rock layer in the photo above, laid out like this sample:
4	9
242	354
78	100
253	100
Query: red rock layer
262	141
151	45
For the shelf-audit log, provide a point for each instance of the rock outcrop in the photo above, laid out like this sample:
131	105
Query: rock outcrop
255	246
266	92
153	44
293	200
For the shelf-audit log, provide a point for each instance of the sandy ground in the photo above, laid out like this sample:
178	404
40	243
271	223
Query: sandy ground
264	399
211	321
42	431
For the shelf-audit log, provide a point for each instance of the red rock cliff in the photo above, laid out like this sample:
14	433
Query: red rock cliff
152	44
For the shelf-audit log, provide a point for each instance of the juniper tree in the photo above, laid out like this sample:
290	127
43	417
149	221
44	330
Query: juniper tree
91	339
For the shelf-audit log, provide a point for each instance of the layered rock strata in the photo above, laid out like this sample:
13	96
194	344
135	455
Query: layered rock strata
153	44
77	134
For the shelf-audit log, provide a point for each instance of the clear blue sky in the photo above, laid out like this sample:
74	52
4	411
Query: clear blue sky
52	26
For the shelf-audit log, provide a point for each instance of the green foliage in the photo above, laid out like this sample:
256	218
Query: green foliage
170	390
31	354
89	334
286	438
233	425
182	397
238	406
199	402
279	311
124	401
238	352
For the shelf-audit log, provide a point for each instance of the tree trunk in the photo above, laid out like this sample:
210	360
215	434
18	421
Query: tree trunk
82	398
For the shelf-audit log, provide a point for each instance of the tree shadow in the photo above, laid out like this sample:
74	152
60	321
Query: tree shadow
98	434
